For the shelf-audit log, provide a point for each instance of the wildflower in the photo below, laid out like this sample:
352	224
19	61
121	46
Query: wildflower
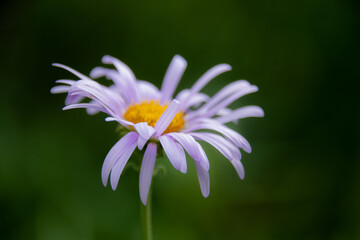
154	119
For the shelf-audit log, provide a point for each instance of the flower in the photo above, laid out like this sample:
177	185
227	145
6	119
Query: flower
154	119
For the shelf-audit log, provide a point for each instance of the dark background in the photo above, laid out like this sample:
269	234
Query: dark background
302	179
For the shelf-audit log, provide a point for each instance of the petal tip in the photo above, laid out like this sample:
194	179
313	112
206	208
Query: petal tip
107	59
143	200
206	194
96	73
114	185
57	65
180	59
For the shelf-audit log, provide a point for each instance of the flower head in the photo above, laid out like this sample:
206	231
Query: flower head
155	119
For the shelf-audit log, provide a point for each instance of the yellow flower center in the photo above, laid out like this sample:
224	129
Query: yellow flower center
150	112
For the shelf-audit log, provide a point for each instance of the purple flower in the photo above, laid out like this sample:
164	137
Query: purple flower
155	119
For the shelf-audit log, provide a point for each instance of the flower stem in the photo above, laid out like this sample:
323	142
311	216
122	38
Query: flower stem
146	226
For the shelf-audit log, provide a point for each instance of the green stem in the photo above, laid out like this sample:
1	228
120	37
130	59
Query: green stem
146	226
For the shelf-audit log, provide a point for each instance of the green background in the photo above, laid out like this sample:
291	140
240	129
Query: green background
302	179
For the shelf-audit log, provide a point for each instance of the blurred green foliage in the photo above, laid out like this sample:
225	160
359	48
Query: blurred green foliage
302	179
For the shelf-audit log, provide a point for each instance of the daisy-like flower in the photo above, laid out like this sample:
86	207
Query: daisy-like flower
155	120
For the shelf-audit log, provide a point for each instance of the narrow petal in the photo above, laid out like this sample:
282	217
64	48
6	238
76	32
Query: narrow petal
126	72
227	101
225	147
86	106
225	112
124	87
59	89
195	101
146	171
204	180
114	154
244	112
92	111
148	91
73	98
192	147
76	73
145	131
166	118
228	90
65	81
98	93
110	74
221	144
172	77
234	137
204	162
239	169
120	164
203	80
174	152
121	121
